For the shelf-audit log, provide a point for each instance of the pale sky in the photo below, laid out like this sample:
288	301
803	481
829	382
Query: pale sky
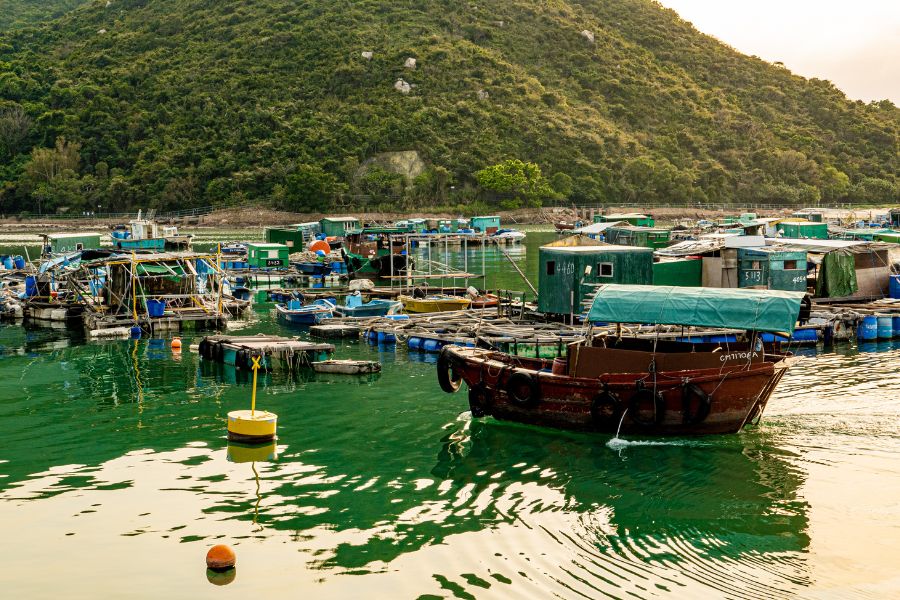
855	44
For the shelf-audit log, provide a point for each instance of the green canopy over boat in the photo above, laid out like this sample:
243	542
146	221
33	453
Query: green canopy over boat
759	310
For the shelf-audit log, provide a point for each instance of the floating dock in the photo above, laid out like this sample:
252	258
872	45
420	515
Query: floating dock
276	352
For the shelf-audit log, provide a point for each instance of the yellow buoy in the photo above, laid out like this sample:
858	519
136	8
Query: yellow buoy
252	426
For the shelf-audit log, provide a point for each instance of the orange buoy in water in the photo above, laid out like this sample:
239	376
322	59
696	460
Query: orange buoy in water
176	344
220	558
320	245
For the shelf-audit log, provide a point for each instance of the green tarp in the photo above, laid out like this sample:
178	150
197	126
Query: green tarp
837	275
759	310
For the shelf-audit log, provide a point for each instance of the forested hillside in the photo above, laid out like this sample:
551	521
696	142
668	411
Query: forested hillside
174	103
21	13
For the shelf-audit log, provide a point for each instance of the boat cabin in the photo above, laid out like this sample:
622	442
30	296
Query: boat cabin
267	256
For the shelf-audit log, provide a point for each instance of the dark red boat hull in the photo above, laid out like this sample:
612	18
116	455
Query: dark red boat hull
736	395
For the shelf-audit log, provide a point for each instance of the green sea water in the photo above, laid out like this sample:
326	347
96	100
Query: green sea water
116	477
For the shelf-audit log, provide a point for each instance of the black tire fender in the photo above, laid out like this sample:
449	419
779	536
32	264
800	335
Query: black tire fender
692	390
448	380
520	381
606	409
641	396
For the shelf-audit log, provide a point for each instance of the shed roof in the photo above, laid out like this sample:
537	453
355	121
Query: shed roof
65	236
595	249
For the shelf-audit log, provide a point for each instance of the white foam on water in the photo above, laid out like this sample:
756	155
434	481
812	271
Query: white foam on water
618	443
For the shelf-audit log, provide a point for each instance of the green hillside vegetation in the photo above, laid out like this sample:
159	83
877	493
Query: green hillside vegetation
178	103
21	13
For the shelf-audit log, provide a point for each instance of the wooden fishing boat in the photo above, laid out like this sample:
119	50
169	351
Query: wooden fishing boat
640	385
311	314
347	367
435	303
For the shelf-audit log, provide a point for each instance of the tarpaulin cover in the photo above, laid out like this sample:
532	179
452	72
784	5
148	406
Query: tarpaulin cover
760	310
837	275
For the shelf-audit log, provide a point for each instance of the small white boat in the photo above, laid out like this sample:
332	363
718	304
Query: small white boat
508	236
347	367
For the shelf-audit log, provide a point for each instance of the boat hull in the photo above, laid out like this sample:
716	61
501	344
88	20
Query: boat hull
426	305
303	316
347	367
373	308
615	402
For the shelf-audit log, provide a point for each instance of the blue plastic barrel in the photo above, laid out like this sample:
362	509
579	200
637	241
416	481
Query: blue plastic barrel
8	262
805	335
431	345
135	332
718	339
895	286
896	326
30	286
156	308
19	262
771	337
868	328
414	343
885	327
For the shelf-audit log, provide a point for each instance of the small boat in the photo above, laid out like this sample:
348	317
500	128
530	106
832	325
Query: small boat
347	367
355	307
563	227
311	314
234	248
312	268
485	301
435	303
508	236
640	385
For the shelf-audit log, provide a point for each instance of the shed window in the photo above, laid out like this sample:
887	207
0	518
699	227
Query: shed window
605	269
755	265
790	265
79	246
273	254
551	267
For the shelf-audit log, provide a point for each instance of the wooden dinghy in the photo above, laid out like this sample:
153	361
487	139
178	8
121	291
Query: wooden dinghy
347	367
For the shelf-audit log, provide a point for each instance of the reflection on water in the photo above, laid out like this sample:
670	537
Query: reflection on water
114	456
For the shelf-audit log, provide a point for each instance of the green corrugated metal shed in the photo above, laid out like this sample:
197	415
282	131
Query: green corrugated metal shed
632	218
685	273
562	272
803	230
772	269
267	256
338	226
488	224
71	242
646	237
292	238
